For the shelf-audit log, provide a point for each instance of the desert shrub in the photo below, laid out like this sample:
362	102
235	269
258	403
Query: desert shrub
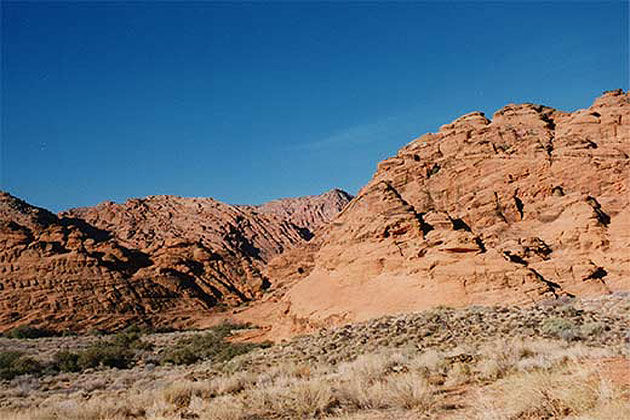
105	354
179	394
309	399
184	355
592	328
131	339
230	384
14	363
25	331
357	395
561	328
212	345
568	310
489	370
366	368
120	352
66	361
225	408
430	362
294	399
544	395
409	391
459	373
102	408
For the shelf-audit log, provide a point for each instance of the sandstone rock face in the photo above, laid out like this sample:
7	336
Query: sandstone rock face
531	205
163	260
221	248
53	269
310	212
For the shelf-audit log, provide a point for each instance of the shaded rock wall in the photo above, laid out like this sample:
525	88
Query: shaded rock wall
531	205
160	260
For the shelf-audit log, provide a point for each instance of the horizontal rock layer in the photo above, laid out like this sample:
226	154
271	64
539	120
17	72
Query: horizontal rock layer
160	260
531	205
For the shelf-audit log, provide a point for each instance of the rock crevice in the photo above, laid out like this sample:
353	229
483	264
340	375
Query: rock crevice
505	224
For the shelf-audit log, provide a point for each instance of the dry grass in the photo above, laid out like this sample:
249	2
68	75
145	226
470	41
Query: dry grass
409	391
503	379
571	391
96	409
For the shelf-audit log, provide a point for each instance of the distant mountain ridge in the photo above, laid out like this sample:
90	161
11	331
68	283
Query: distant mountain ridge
159	259
310	212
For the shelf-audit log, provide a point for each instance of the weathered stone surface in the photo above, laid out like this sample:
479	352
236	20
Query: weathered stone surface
163	260
532	205
53	269
309	212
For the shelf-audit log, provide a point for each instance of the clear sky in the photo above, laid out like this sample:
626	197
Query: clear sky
254	101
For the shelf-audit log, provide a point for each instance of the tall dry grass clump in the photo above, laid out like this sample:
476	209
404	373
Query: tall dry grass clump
571	391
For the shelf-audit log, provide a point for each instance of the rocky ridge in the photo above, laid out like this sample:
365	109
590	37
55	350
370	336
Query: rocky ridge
531	205
161	260
310	212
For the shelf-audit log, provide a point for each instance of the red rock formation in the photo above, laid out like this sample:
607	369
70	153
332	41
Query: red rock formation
53	270
310	212
532	205
163	260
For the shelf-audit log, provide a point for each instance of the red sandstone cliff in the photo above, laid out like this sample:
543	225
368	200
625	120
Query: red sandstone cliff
162	260
533	204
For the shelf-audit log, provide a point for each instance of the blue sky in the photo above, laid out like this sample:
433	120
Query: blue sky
247	102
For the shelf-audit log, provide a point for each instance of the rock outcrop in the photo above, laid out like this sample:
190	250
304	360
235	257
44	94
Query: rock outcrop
531	205
309	212
161	260
53	270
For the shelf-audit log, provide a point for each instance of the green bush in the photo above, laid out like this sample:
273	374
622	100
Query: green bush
7	358
225	329
98	355
105	354
66	361
139	329
26	331
132	340
212	345
15	363
120	351
27	365
180	356
97	332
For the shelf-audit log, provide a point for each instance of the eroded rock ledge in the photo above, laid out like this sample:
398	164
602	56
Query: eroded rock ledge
531	205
